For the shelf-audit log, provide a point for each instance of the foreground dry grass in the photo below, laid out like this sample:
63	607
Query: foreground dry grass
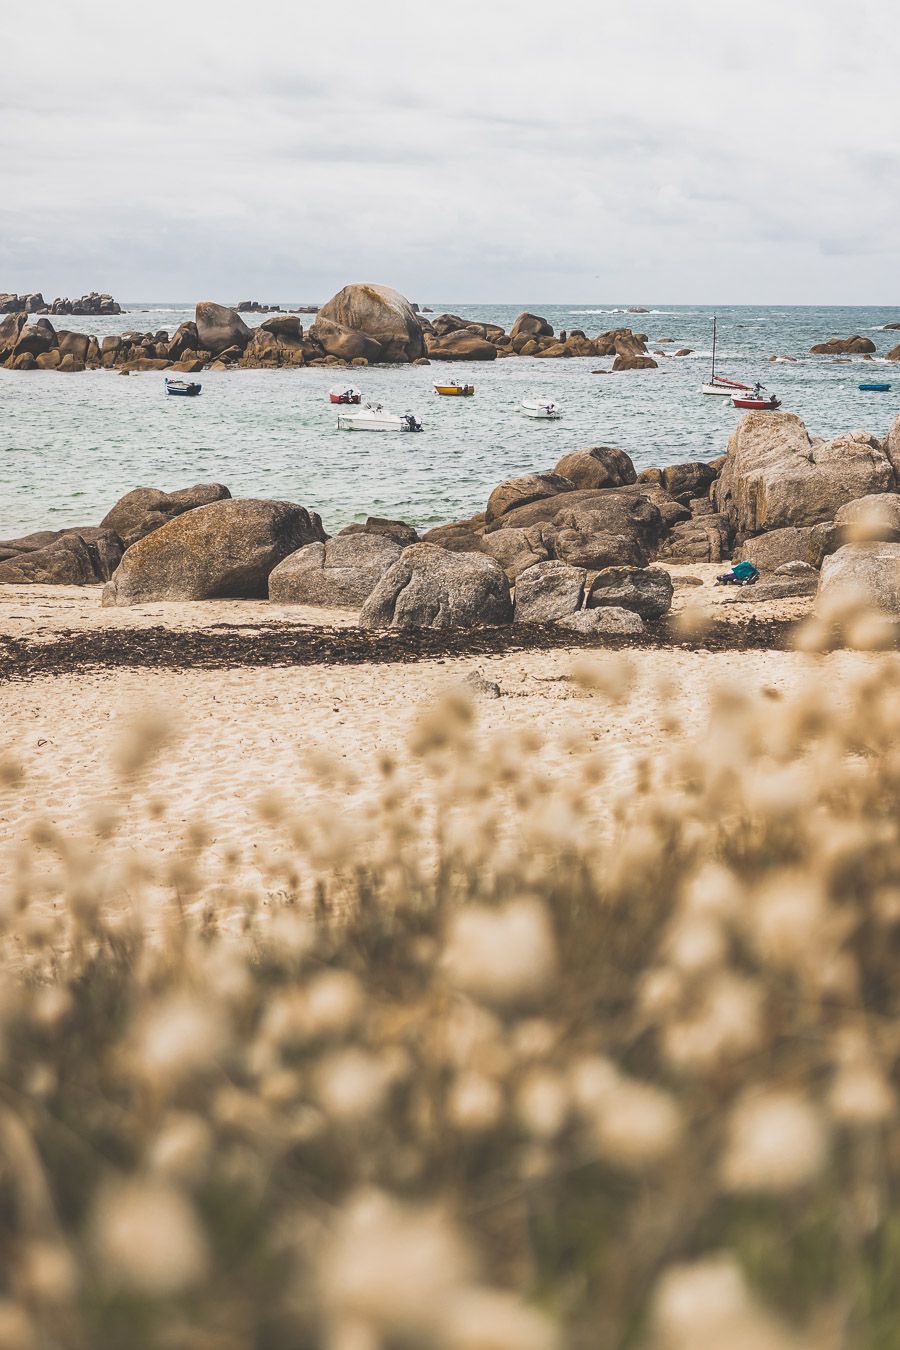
509	1045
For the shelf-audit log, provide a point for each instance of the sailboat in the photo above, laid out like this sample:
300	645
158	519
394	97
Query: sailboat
719	384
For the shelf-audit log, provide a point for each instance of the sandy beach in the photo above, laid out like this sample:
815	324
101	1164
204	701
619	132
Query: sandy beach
240	733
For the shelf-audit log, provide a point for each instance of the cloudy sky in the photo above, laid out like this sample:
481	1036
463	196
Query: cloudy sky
504	150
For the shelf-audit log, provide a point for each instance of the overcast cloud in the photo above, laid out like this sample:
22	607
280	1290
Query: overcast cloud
505	150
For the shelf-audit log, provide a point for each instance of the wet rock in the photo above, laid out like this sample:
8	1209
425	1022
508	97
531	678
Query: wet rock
548	591
429	587
341	573
645	590
144	510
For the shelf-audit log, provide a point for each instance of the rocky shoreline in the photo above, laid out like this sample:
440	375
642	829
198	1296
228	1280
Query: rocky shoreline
361	325
587	546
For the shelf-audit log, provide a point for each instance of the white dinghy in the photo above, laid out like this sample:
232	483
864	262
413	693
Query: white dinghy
540	407
373	417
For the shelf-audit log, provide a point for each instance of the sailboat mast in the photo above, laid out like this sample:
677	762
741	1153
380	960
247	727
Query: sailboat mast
713	372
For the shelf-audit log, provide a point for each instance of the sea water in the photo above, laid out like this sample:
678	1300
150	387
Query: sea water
70	445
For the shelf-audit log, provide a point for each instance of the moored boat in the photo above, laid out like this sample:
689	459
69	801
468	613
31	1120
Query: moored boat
873	387
720	384
540	407
453	388
344	393
373	417
758	400
185	388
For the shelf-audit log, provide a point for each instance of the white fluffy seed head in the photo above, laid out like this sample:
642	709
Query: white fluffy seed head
777	1142
504	954
393	1267
147	1238
637	1125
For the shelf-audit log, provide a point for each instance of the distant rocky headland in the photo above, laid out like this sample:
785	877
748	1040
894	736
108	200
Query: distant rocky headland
93	303
361	325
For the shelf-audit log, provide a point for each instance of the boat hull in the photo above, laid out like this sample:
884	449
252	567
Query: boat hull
455	390
543	408
756	404
189	391
381	422
345	398
724	389
875	388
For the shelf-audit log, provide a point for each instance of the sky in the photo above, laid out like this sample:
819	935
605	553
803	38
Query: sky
503	151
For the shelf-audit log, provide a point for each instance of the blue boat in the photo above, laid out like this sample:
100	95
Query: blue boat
183	388
875	388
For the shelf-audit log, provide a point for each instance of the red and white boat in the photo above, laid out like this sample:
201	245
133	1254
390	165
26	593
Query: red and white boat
344	394
720	384
758	400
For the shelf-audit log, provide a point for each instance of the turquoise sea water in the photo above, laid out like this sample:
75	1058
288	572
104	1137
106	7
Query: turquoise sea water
71	445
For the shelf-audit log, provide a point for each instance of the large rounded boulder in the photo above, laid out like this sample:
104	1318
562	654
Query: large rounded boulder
851	346
144	510
381	313
347	344
601	466
339	574
867	574
226	549
774	475
548	591
461	345
516	492
219	328
429	587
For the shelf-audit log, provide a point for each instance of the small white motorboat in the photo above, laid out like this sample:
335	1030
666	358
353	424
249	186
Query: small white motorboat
373	417
540	407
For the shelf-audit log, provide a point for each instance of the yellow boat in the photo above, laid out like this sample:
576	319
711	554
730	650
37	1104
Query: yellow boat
454	388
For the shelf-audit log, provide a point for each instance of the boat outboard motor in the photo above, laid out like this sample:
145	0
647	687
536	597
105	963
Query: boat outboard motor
410	422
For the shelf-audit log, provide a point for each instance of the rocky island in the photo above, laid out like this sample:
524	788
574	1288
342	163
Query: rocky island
360	325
